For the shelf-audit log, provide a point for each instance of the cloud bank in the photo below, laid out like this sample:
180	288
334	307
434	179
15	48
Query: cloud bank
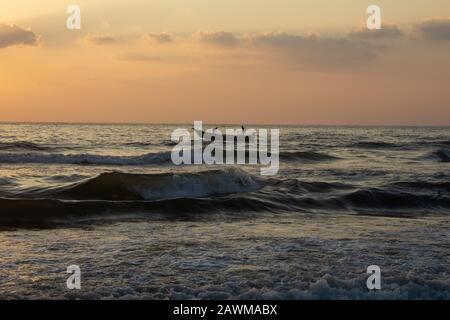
292	48
434	29
388	31
11	35
323	50
296	50
161	37
221	38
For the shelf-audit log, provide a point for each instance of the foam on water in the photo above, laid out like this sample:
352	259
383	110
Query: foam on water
286	257
108	198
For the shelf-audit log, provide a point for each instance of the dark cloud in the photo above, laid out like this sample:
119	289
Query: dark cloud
11	35
162	37
325	51
388	31
434	29
99	39
221	38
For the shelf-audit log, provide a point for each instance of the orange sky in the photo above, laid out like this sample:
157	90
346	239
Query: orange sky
284	61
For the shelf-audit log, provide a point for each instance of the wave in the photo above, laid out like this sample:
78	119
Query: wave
23	145
210	193
169	143
444	142
138	144
293	156
5	181
374	199
373	145
146	159
295	185
118	194
41	212
422	185
306	156
85	159
444	155
118	186
406	146
28	212
403	198
437	143
255	193
368	201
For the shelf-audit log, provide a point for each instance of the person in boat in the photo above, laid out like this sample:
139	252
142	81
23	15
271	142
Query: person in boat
203	132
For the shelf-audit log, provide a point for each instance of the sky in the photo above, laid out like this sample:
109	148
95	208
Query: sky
234	61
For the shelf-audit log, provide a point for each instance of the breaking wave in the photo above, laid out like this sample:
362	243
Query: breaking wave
85	159
124	193
208	193
118	186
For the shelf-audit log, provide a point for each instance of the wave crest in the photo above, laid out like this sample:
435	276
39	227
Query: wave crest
120	186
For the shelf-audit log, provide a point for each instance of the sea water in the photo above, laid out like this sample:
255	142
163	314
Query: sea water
108	199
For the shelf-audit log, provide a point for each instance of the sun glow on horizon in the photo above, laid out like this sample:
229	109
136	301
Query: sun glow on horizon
290	62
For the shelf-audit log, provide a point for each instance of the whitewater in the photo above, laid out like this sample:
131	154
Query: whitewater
109	199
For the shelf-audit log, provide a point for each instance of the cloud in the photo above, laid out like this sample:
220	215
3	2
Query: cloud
221	38
99	39
284	48
162	37
325	51
388	31
11	35
434	29
293	48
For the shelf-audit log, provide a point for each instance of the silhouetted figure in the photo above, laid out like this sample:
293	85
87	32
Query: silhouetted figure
203	132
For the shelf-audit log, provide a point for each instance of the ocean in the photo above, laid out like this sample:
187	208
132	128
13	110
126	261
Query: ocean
108	199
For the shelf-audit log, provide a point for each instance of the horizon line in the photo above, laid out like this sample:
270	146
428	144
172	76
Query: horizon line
222	123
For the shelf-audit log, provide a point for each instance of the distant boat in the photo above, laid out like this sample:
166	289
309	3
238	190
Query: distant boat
225	137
